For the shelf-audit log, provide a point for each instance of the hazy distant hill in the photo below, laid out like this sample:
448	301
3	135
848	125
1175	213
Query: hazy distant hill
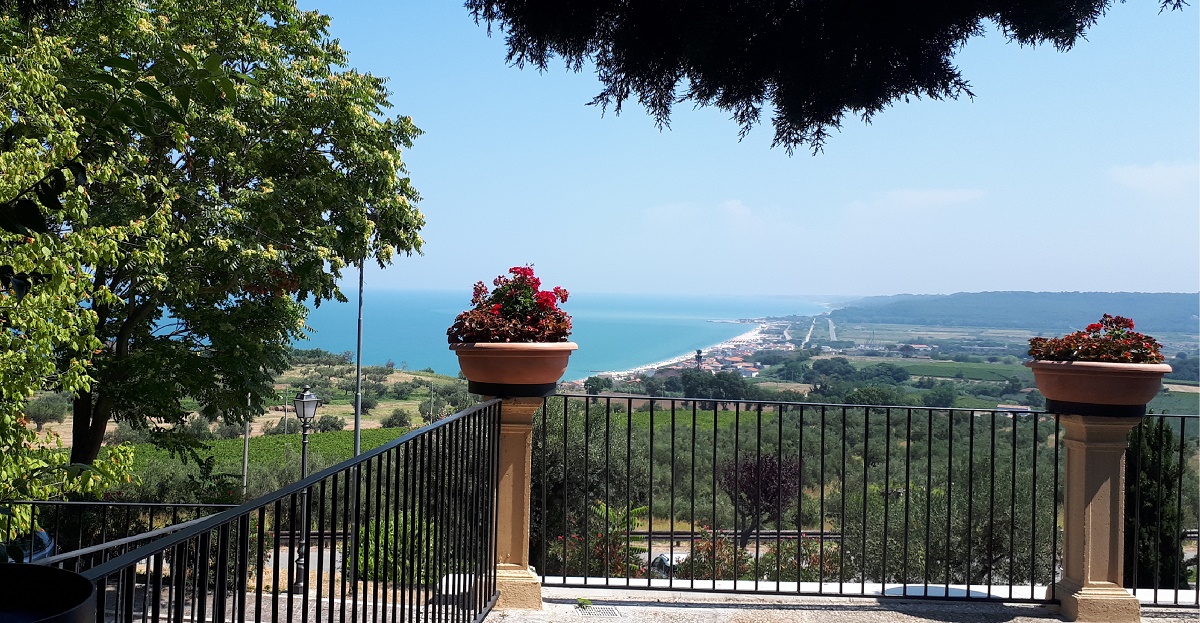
1036	311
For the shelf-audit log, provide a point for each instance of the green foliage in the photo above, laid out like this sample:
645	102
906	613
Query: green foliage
229	215
942	395
399	418
715	558
596	384
329	423
400	549
805	559
1184	369
1154	555
368	402
603	548
48	408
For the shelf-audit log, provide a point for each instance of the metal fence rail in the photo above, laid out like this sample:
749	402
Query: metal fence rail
804	498
417	519
81	535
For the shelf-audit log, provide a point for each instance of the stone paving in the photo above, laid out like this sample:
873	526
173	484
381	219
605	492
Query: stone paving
562	605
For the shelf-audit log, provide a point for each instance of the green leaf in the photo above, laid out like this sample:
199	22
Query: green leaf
227	87
213	64
109	79
57	183
148	90
168	110
120	62
48	197
79	171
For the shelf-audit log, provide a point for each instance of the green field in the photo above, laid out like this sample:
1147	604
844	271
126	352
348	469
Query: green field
953	369
273	449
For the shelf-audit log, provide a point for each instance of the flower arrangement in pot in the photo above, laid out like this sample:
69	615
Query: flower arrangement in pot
512	342
1107	368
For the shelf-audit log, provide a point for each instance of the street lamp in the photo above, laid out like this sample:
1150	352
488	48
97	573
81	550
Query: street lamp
306	409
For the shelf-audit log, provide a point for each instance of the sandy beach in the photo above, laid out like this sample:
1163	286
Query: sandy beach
750	336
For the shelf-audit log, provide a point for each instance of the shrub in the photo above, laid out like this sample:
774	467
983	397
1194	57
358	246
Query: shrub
126	432
369	403
330	423
229	430
800	560
402	548
400	418
284	425
715	558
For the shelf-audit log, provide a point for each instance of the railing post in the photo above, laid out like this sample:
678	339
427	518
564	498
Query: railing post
1093	520
518	584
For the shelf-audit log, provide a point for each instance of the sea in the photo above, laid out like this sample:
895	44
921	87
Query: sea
614	331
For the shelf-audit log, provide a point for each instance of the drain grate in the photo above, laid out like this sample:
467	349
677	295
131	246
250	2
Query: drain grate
598	611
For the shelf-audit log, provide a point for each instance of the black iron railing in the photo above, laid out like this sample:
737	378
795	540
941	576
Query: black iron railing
803	498
81	535
404	532
1162	476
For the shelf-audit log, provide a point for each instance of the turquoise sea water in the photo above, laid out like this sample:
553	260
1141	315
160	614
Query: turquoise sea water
614	331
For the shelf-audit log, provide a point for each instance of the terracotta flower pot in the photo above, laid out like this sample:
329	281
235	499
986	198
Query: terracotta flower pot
1098	388
513	369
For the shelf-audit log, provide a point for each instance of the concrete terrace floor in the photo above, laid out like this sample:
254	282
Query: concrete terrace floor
687	607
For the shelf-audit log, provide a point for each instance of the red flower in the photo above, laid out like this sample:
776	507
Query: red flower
1111	339
516	310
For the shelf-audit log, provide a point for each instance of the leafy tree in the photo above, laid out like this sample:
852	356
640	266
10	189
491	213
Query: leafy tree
762	489
942	395
256	208
808	63
47	154
877	395
596	384
399	418
49	408
369	403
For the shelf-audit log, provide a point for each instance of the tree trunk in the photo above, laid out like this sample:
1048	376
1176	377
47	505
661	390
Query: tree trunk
87	427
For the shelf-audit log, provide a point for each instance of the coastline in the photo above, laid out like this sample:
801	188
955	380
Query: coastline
733	342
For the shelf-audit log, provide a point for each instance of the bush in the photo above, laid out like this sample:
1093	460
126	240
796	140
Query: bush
400	418
715	558
229	430
369	403
401	548
800	560
330	423
126	433
284	425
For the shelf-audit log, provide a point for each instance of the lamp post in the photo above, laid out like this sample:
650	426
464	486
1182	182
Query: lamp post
306	409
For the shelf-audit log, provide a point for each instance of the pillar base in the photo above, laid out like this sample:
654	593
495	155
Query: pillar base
520	589
1099	601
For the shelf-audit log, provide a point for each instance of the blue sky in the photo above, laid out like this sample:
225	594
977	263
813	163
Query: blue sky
1068	171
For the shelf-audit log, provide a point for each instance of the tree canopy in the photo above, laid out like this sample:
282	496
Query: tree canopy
241	167
806	64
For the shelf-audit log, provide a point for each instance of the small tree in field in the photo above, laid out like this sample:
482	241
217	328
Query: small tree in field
761	489
48	408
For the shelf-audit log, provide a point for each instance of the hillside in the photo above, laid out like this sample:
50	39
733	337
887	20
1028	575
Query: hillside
1035	311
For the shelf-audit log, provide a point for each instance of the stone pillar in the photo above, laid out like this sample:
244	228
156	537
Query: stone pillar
1094	521
519	585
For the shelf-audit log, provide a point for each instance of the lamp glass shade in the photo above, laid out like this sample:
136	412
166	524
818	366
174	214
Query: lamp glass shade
306	404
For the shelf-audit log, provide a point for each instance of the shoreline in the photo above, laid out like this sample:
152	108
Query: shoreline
732	342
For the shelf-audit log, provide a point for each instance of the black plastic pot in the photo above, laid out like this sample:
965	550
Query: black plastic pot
35	593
